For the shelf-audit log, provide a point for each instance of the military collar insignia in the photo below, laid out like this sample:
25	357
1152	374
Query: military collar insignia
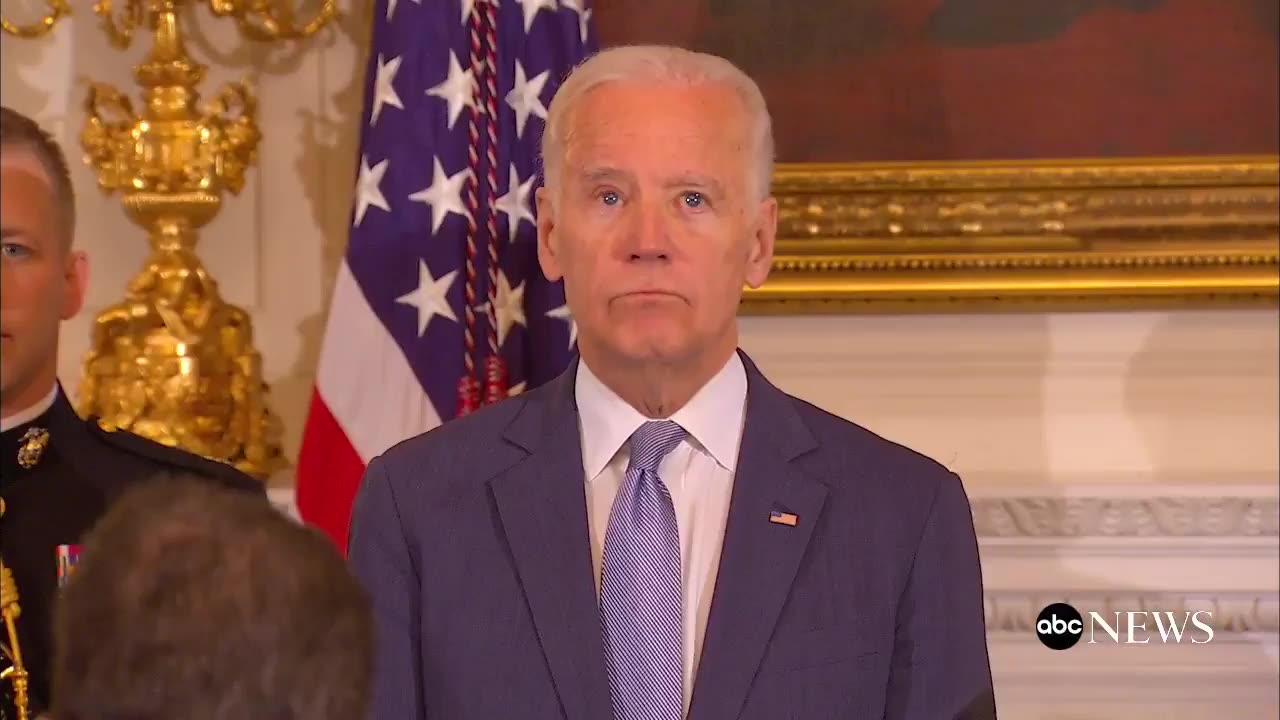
32	446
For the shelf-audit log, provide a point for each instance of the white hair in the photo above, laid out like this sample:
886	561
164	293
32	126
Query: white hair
661	64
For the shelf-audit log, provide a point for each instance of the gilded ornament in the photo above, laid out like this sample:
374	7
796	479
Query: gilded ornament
172	361
13	673
32	446
1038	234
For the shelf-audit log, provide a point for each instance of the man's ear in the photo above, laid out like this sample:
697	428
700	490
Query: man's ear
76	282
547	256
760	252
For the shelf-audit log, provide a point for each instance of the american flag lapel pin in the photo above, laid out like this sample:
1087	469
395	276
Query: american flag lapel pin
783	518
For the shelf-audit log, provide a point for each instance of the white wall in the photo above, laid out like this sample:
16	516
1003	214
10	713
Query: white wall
1102	450
1119	461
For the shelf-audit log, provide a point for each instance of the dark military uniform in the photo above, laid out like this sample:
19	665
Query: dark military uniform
60	472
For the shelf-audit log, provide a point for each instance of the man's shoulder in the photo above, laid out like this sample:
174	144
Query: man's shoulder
848	444
163	459
473	438
901	487
446	466
845	448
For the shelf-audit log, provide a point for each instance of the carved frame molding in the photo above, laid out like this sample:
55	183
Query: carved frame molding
1072	234
1167	517
1204	518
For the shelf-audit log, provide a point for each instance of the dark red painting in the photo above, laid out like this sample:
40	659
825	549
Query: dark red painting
881	80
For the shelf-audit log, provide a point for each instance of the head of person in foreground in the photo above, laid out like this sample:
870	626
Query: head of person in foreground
197	602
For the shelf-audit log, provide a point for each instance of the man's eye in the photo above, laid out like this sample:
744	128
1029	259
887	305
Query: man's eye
609	197
694	200
14	250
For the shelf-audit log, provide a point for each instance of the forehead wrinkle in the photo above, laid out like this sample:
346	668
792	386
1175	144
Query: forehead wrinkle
591	142
709	98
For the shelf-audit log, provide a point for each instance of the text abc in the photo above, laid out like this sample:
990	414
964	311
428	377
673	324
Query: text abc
1131	624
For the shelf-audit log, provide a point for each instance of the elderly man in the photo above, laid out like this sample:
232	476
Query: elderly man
661	531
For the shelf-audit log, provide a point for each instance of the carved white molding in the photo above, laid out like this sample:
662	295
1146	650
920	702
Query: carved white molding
1231	613
1234	677
1044	517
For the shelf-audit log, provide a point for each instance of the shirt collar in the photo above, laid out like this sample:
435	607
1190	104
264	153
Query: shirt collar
23	417
712	417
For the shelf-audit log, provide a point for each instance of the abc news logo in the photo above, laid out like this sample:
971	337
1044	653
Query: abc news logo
1061	626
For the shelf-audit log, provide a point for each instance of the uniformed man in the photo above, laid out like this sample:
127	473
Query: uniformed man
59	471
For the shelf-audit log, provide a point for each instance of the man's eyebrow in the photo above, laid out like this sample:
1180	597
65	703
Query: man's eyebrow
8	232
603	173
606	173
695	180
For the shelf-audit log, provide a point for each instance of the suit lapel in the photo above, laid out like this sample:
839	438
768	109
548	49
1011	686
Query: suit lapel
759	558
542	506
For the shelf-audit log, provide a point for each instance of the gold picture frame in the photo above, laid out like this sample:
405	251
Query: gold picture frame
1036	235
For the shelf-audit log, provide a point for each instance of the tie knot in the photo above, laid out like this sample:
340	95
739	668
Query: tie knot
652	441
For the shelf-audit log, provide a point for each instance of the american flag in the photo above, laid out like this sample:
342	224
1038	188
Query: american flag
448	166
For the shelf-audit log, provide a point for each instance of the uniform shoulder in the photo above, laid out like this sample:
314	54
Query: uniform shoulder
172	459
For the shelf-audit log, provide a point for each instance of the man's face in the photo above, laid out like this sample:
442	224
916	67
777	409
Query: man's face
655	224
41	280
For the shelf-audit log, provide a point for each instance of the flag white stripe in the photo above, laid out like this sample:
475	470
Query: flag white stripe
364	378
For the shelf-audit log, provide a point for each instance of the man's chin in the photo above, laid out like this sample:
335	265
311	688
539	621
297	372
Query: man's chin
653	351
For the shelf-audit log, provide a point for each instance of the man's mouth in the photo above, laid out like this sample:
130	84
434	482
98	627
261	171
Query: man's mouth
650	294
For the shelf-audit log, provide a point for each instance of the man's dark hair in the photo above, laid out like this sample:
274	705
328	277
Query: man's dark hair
197	602
18	130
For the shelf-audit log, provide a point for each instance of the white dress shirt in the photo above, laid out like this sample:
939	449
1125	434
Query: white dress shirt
698	473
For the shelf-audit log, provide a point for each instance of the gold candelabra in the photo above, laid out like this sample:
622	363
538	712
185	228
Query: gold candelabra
173	361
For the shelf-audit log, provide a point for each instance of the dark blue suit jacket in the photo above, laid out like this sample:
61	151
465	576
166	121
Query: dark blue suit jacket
473	541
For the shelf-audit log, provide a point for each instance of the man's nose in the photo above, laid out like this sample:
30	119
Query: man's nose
650	236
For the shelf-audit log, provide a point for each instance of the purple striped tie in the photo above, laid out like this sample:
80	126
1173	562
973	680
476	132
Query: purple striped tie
640	586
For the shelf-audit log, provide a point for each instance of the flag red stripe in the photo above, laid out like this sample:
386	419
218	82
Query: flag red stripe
329	472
